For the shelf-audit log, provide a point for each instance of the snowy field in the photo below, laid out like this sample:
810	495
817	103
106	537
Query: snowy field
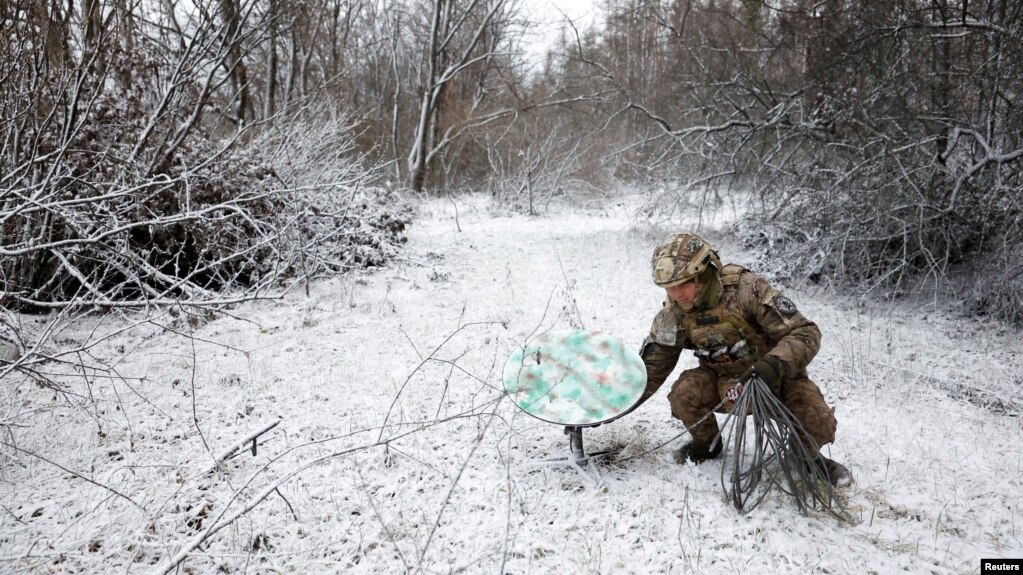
397	452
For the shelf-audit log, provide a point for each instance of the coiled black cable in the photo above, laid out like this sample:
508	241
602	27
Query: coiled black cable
770	448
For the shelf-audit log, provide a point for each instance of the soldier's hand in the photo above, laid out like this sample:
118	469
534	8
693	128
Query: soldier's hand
768	370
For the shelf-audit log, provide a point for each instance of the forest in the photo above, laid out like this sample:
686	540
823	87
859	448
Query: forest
163	162
173	151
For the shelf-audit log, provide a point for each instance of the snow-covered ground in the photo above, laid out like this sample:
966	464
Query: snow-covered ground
397	450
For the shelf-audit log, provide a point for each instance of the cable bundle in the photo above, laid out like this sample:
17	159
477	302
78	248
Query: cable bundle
772	434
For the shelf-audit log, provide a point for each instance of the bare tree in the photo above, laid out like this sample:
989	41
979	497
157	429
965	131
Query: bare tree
460	38
882	138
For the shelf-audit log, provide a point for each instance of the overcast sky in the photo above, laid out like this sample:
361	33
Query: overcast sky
548	16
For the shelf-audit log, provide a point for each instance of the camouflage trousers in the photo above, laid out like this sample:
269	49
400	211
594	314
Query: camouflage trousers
696	393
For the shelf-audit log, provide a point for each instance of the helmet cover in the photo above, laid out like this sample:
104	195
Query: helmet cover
680	258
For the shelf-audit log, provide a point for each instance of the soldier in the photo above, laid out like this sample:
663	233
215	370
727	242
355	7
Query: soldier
739	327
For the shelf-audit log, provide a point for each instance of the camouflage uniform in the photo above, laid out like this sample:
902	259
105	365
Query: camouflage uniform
738	320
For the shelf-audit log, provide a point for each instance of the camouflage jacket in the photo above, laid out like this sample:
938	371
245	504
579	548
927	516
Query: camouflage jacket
742	322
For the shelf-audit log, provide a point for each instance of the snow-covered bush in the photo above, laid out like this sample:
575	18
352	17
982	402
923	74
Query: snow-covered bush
529	163
108	200
873	162
880	230
125	181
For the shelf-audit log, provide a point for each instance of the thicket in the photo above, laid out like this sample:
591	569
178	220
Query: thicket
882	142
130	176
147	147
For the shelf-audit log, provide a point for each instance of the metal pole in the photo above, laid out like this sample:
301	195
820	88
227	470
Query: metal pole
575	444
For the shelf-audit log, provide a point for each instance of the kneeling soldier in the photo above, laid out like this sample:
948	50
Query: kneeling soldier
740	327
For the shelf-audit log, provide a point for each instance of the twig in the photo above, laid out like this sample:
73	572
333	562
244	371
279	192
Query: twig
380	518
447	381
454	484
568	285
195	416
458	226
241	443
288	503
223	519
397	395
78	475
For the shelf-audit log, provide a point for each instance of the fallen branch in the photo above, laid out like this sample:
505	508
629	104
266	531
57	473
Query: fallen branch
237	447
223	520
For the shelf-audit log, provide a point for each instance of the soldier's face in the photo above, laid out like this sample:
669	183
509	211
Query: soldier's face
684	294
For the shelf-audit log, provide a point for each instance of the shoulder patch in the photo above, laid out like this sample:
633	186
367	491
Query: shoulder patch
784	305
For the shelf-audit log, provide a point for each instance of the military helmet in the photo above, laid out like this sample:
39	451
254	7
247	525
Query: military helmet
682	257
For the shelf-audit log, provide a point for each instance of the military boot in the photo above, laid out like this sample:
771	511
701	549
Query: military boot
697	452
839	474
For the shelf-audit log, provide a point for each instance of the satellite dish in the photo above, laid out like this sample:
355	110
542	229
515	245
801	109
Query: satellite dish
575	378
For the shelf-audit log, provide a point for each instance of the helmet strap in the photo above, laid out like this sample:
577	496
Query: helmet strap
710	288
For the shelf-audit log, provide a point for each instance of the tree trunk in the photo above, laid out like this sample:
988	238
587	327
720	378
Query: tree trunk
271	64
234	63
427	107
940	76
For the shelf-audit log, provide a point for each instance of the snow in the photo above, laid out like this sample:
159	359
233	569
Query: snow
397	450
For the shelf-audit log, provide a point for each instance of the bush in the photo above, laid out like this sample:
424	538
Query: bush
128	208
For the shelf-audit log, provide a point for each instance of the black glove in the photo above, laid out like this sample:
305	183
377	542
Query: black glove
768	368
